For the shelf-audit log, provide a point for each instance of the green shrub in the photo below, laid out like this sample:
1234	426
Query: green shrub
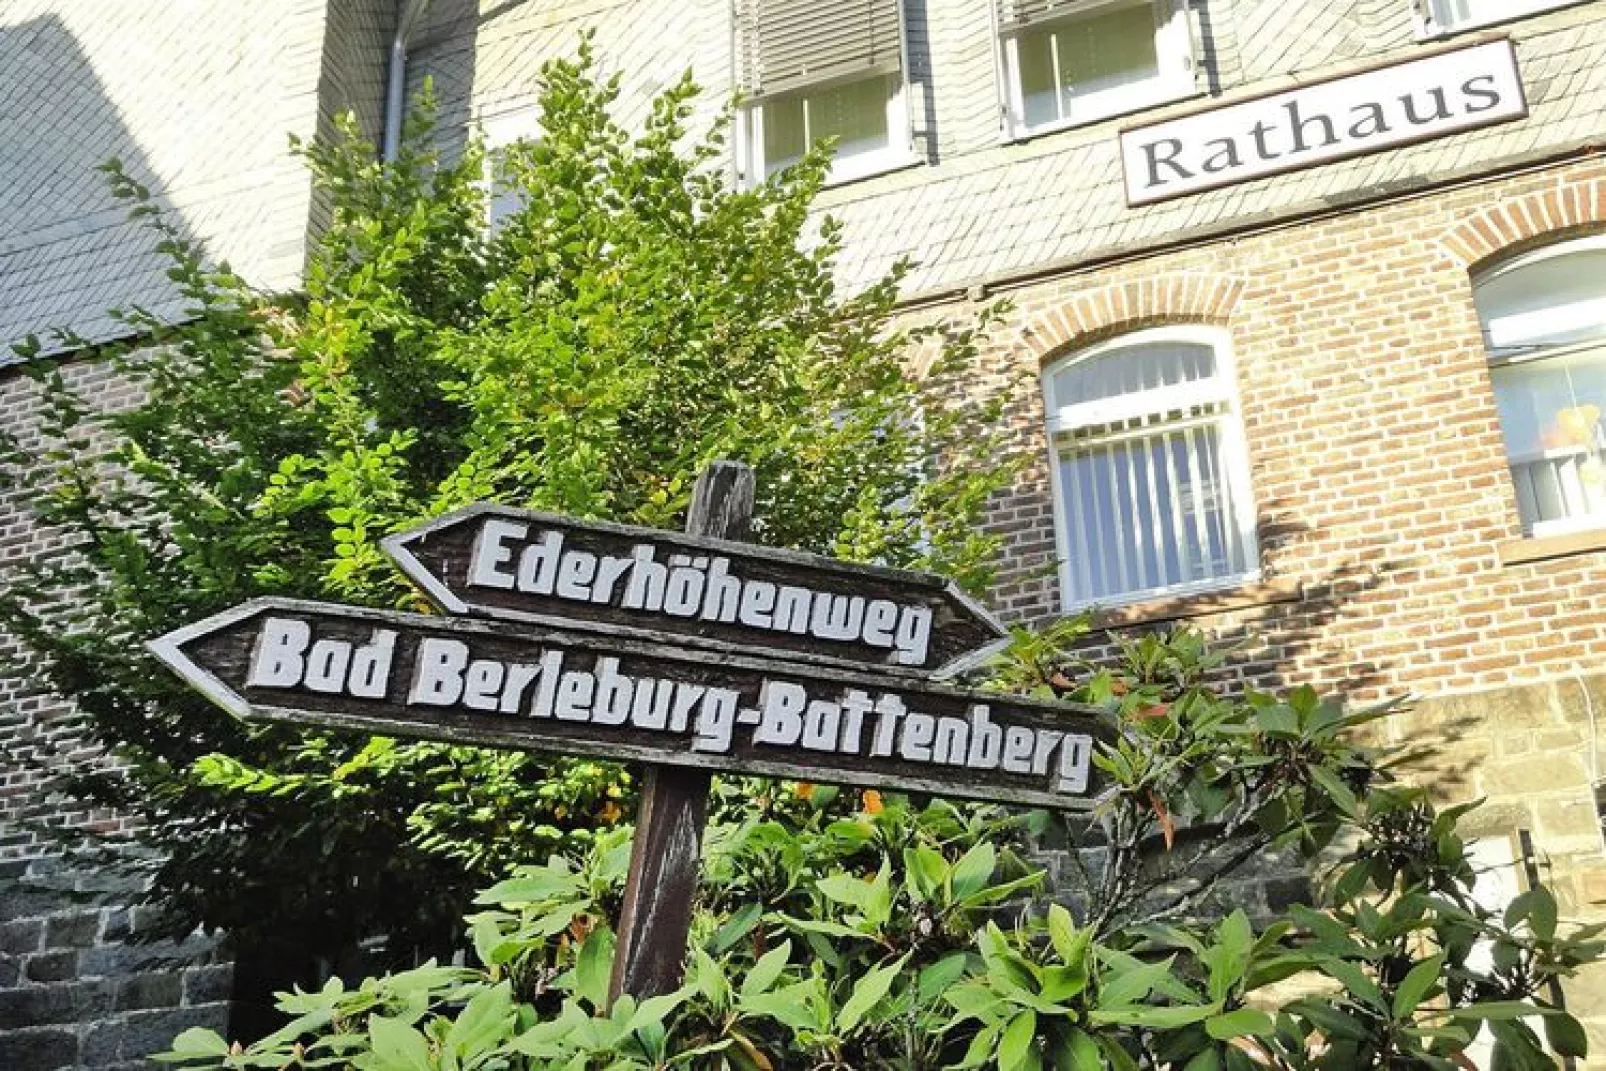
843	930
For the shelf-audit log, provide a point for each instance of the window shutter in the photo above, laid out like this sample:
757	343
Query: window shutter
795	43
1018	14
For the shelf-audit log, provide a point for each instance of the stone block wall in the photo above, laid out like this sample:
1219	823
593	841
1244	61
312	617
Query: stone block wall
82	986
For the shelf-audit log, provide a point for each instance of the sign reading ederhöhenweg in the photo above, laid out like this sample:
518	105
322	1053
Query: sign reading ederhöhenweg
546	689
668	587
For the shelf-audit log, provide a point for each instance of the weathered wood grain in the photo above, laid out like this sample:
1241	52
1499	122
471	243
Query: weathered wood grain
665	857
440	557
216	656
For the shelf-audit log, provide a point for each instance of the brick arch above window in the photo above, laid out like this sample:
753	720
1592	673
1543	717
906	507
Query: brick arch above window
1103	312
1516	224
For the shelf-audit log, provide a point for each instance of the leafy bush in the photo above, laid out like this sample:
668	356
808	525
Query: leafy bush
634	320
901	935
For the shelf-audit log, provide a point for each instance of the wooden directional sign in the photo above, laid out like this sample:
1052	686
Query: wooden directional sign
548	689
673	588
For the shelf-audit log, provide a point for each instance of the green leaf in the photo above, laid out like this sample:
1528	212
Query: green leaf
1229	956
845	889
1416	985
791	1005
1237	1023
974	869
397	1046
1538	907
738	926
1078	1052
1015	1048
195	1042
868	991
1069	943
1566	1036
768	968
935	979
653	1010
1153	1016
1354	980
483	1024
981	1045
709	979
1132	981
594	967
1343	798
1500	1010
927	870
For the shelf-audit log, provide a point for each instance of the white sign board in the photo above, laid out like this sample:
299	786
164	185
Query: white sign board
1362	113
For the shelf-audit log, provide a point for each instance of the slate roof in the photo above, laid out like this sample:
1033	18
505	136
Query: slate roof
196	98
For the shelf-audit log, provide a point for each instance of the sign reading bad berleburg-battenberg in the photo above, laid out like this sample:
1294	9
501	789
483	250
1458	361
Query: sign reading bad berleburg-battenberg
547	689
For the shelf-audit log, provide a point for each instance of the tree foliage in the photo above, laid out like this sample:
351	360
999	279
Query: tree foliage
909	936
633	320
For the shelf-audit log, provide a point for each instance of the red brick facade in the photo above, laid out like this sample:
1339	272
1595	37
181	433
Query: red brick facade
1378	470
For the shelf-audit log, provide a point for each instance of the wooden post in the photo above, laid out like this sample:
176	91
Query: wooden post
665	857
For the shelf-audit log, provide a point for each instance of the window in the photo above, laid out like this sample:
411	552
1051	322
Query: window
824	69
1151	485
1544	326
503	198
1446	16
1073	61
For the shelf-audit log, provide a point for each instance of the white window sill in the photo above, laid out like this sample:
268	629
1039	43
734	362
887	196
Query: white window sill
1022	134
1240	594
881	165
1177	592
1538	548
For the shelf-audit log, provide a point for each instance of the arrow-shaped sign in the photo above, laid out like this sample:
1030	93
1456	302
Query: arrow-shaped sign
546	689
676	589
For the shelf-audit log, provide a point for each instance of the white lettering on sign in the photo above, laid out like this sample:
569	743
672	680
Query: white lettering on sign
823	718
690	586
282	660
1362	113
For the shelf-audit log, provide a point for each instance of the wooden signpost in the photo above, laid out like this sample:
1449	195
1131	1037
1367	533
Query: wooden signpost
781	665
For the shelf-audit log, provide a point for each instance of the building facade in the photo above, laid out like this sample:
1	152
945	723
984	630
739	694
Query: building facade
1307	328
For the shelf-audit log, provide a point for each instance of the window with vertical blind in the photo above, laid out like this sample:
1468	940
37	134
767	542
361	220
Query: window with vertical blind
815	69
1544	327
1073	61
1151	484
1448	16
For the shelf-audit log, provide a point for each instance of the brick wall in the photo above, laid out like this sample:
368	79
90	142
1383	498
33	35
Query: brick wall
1385	507
82	983
1377	465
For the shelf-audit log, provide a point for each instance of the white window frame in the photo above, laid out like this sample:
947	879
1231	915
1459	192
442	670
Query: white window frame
1499	359
898	153
497	133
1433	21
1221	389
1174	54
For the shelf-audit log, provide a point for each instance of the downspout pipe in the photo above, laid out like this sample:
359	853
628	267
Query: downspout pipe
409	13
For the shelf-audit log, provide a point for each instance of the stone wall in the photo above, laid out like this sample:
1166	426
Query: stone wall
82	984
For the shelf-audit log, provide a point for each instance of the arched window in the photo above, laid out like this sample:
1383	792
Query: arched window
1544	326
1151	483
